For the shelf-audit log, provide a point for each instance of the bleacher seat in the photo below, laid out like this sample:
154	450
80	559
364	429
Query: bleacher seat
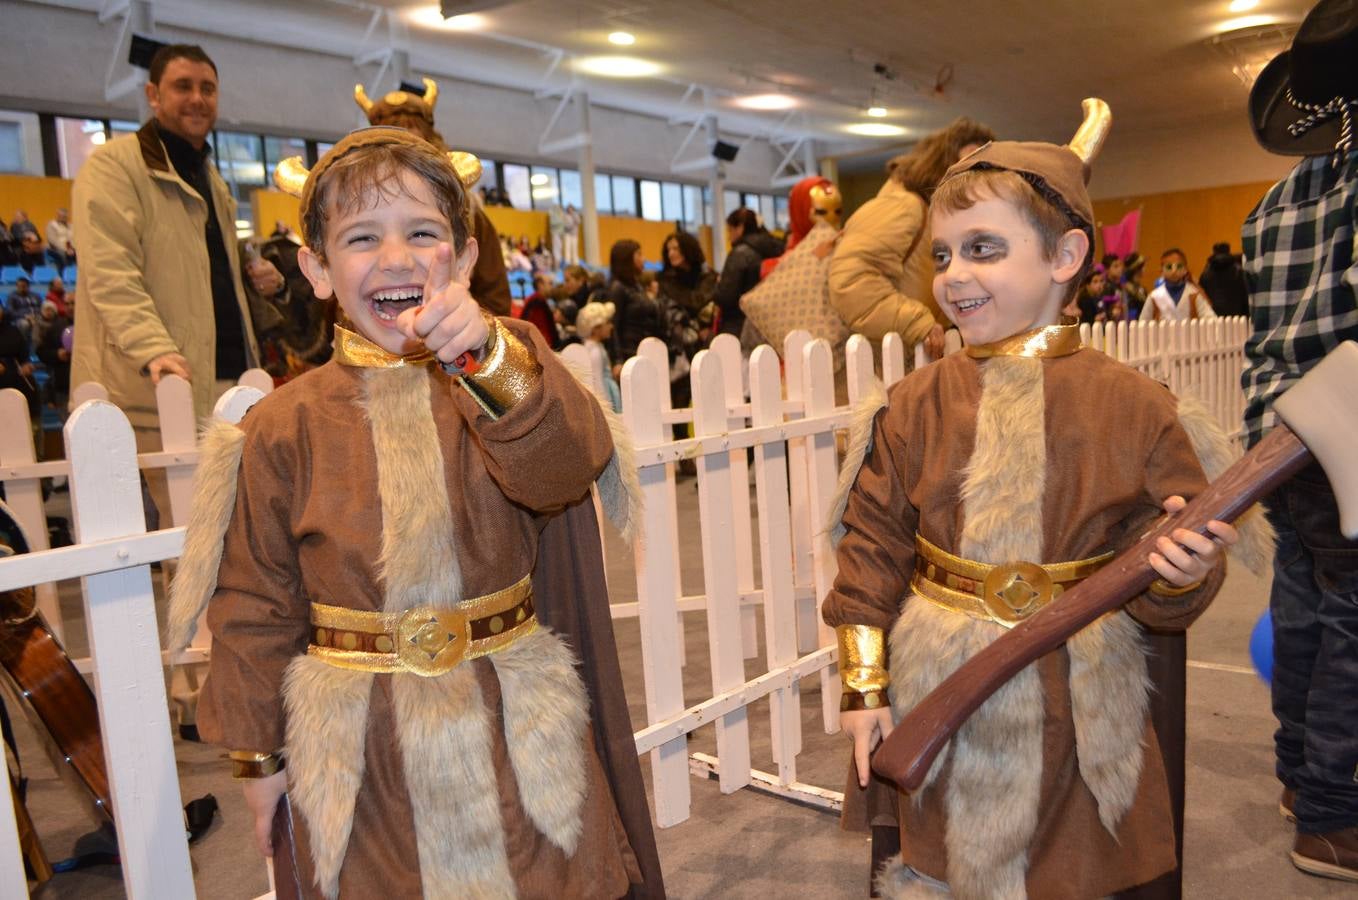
68	276
11	274
44	274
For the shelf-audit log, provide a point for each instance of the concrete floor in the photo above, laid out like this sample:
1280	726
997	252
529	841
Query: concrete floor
750	845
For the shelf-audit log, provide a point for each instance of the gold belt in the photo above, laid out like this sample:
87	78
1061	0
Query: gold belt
425	640
1006	594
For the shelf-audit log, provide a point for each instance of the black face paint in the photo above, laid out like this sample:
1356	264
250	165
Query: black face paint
983	247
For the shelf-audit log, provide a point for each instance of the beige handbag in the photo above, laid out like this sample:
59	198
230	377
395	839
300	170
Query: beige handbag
797	295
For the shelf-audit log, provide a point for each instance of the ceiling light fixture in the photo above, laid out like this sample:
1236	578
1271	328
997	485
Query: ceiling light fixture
622	38
874	129
877	112
539	178
617	66
767	101
1239	6
1242	22
432	17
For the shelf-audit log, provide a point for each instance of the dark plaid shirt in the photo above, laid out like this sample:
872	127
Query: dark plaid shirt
1299	265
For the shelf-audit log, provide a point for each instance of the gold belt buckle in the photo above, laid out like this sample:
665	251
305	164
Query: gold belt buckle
431	642
1014	591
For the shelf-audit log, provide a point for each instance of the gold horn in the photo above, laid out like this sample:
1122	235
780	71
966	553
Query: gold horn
431	93
1093	131
291	174
467	166
361	98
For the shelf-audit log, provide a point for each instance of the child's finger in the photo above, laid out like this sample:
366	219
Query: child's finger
1174	503
1224	531
440	273
1174	554
1200	544
862	752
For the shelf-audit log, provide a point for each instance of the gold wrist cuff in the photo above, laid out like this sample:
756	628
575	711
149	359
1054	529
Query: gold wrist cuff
1162	588
862	658
507	375
249	764
871	700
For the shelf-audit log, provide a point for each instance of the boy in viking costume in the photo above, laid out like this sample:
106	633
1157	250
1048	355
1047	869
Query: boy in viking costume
409	620
978	494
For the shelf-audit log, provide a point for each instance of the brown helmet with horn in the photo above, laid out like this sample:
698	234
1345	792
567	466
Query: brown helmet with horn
399	104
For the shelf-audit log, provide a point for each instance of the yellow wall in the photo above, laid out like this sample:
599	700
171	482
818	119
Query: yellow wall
270	206
39	197
1191	220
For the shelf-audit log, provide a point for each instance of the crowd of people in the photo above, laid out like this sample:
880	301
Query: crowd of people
1113	290
21	244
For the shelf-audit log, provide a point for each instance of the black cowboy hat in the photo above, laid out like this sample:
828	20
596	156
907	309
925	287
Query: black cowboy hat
1318	71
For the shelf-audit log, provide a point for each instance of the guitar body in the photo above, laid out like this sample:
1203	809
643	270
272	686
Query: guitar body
40	675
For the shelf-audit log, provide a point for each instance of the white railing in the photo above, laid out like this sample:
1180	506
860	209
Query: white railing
789	420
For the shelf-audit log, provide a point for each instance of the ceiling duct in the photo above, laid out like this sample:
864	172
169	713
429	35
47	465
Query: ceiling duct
1248	50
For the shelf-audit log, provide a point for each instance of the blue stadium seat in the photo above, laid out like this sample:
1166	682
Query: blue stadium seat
11	274
68	276
44	274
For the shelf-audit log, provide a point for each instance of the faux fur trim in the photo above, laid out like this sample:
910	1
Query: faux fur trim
860	445
546	717
445	734
214	493
897	881
620	483
412	490
327	715
1110	697
1216	452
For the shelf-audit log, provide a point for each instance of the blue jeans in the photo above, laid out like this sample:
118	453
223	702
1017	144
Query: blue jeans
1315	653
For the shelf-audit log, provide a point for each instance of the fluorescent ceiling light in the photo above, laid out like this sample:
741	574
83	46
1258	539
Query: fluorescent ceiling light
767	101
543	193
617	66
539	178
874	129
432	17
877	112
98	138
1242	22
622	38
1239	6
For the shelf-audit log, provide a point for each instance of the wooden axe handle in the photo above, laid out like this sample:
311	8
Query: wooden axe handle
905	756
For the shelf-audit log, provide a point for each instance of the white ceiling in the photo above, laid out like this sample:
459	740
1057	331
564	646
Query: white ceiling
1021	66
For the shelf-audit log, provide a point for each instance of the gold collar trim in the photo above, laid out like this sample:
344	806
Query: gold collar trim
1042	343
353	349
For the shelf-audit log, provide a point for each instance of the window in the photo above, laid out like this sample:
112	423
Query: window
546	187
240	159
672	199
120	127
518	186
11	147
603	194
695	214
489	176
780	213
76	140
766	210
322	148
570	189
277	149
624	196
650	201
732	200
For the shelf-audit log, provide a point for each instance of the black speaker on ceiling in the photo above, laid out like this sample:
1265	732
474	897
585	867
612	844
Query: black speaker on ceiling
142	49
724	151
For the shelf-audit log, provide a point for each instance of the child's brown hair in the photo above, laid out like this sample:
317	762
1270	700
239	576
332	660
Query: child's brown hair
351	178
1049	219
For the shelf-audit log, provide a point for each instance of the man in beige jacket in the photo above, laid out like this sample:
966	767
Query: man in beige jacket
160	290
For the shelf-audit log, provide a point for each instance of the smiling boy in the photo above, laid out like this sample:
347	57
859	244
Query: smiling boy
984	492
396	625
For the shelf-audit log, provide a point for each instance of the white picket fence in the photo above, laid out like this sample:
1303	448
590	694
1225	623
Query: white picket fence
788	418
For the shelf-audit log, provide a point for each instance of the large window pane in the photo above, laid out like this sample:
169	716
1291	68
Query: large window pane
120	127
570	189
489	178
76	140
732	200
11	148
240	158
780	213
603	194
624	196
693	207
650	201
672	199
277	149
546	187
766	210
518	187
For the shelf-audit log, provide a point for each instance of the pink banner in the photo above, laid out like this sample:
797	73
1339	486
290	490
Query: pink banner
1122	237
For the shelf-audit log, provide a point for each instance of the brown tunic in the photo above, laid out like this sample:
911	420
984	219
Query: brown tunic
307	526
1115	451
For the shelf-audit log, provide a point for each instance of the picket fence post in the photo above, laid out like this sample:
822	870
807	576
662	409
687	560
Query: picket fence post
822	475
808	628
24	498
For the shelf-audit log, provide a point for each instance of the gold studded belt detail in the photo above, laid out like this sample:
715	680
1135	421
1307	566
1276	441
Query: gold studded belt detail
424	640
1005	594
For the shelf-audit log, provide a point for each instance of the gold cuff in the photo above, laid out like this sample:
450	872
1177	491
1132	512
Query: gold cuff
507	375
1162	588
249	764
871	700
862	658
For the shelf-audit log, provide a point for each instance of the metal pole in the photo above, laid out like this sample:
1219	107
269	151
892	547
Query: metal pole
589	216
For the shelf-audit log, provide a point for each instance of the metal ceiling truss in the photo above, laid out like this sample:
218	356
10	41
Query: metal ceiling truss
137	18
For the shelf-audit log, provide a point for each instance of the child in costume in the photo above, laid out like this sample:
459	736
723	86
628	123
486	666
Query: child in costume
410	628
979	494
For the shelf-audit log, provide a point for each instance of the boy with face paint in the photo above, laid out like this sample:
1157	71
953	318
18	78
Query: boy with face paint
975	496
1178	297
411	641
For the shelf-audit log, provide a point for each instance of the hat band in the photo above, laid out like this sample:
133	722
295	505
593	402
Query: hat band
1320	113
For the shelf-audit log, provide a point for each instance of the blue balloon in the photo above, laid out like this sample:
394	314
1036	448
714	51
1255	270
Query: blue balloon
1261	647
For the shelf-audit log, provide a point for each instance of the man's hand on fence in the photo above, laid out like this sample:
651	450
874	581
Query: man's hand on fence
262	796
168	364
866	728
